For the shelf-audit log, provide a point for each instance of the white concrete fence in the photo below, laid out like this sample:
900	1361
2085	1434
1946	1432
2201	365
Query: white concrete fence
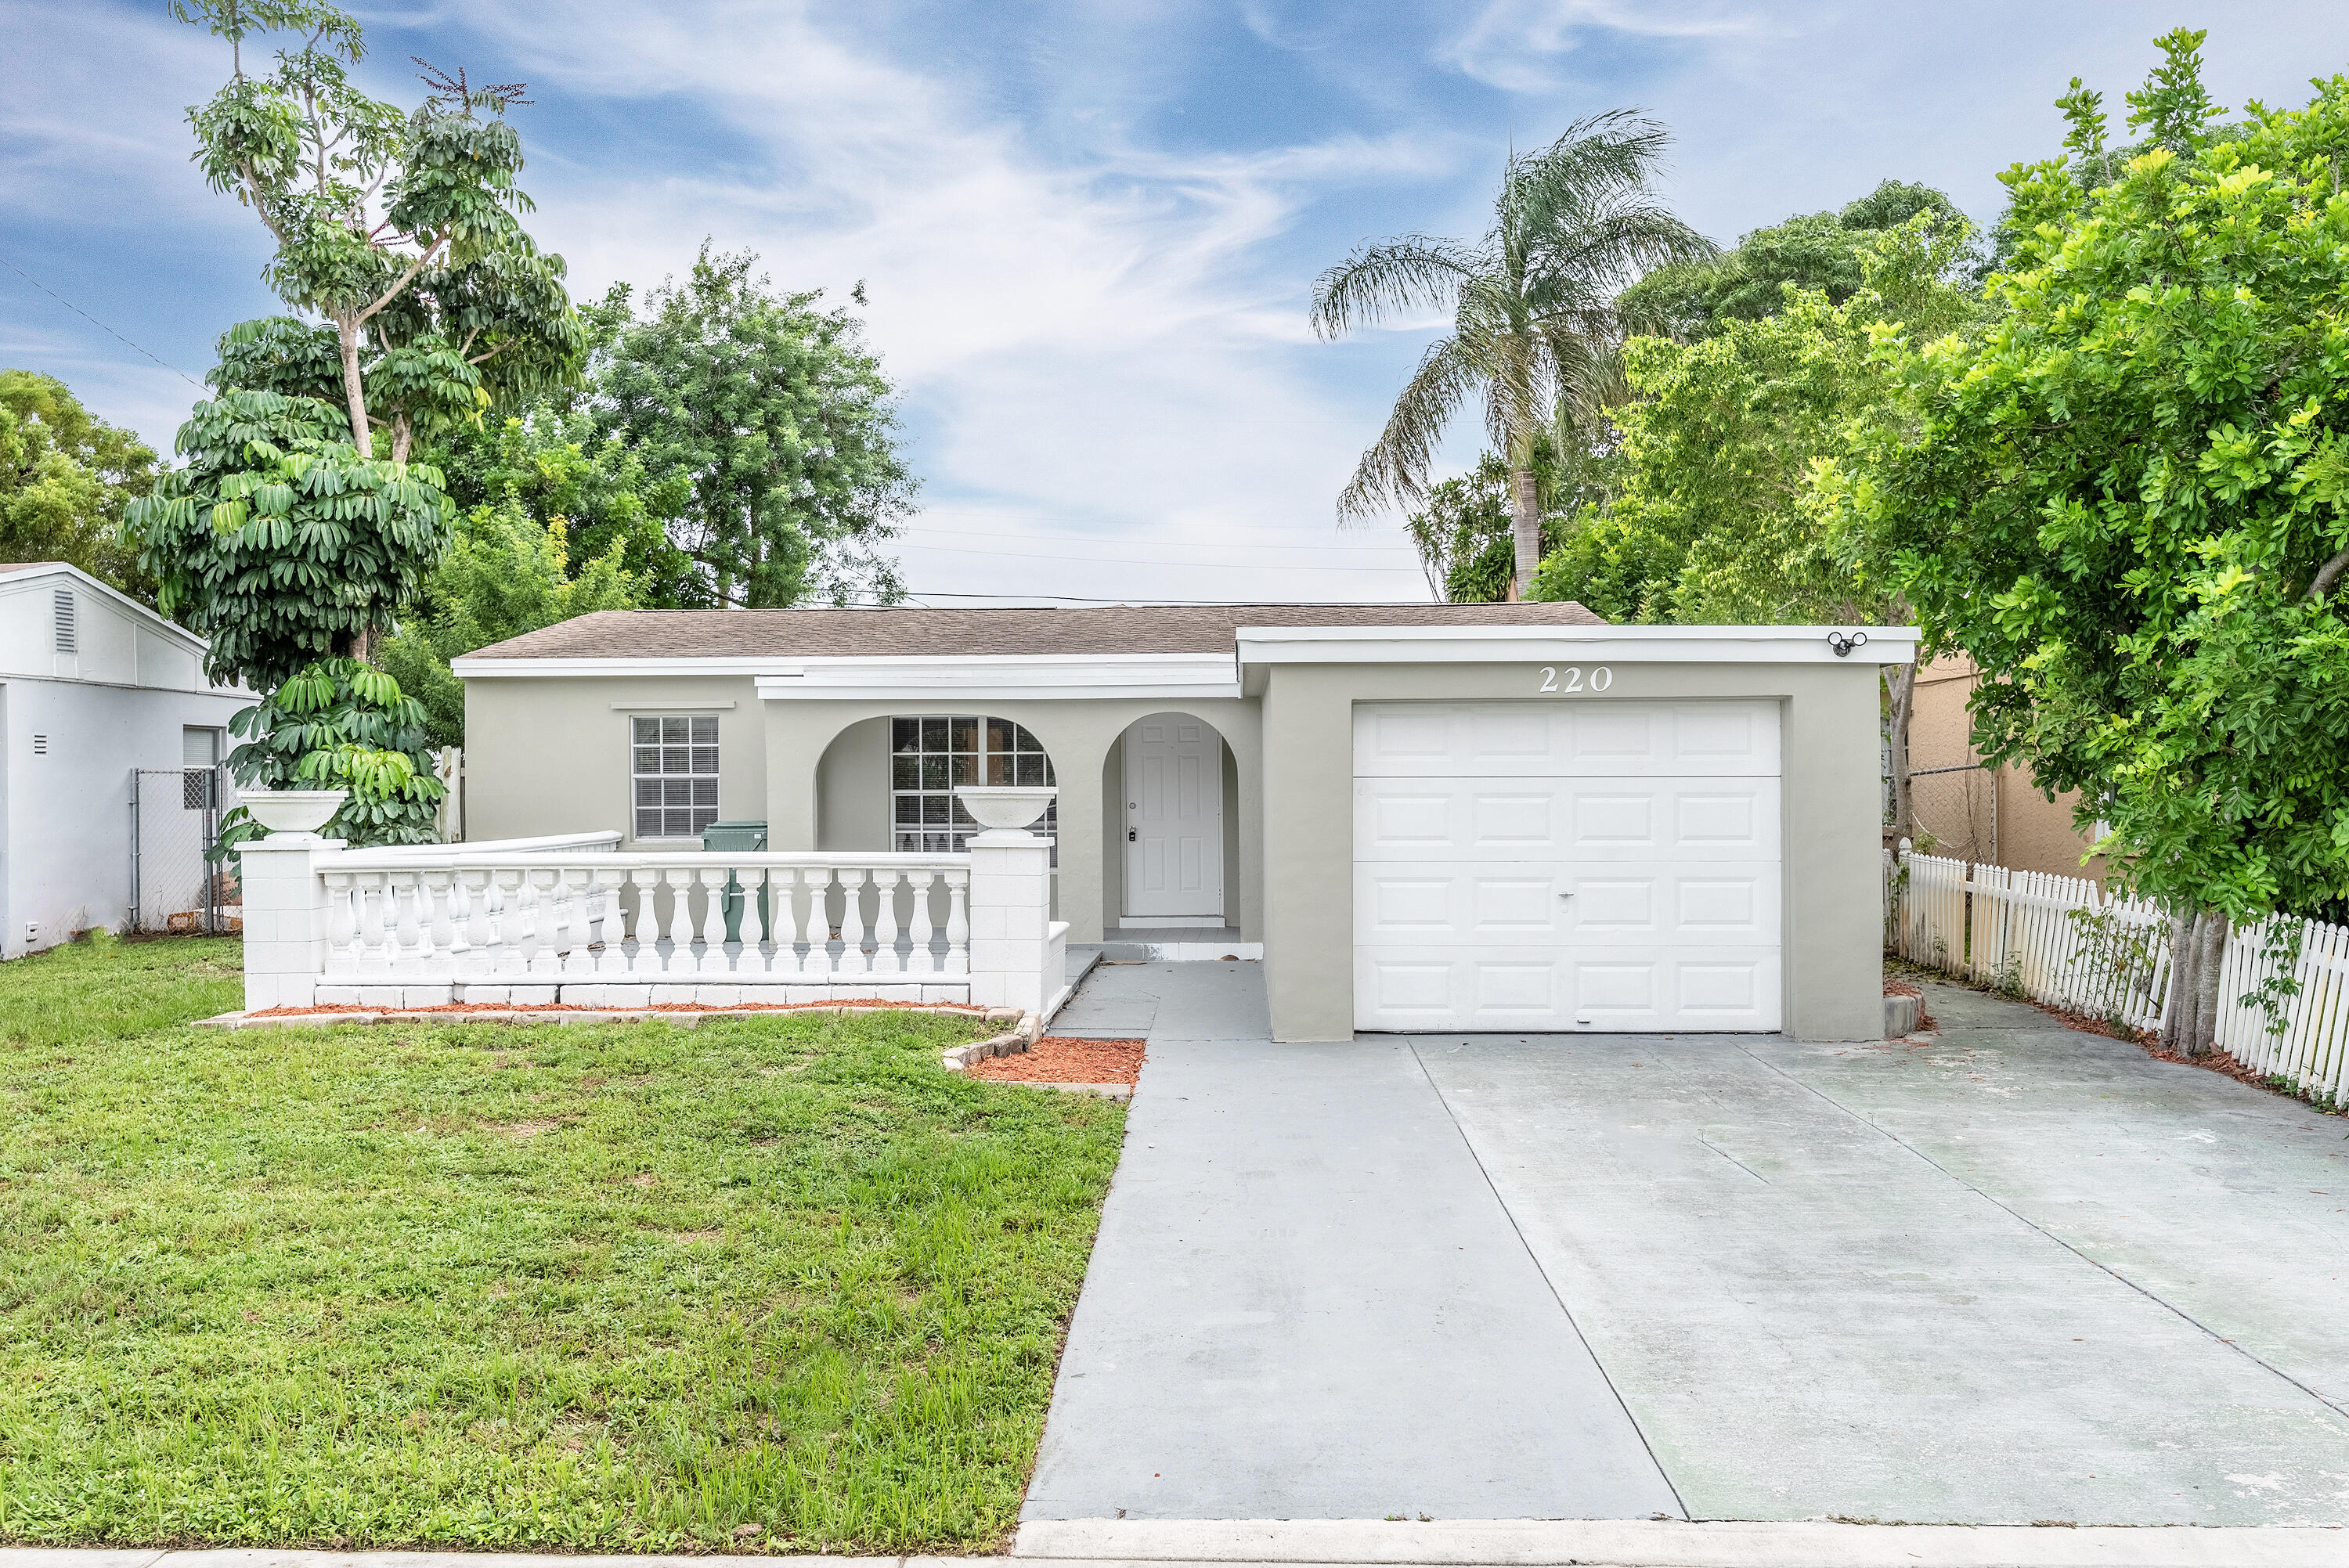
569	920
2061	941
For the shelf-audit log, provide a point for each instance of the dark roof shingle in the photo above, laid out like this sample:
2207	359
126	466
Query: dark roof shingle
873	634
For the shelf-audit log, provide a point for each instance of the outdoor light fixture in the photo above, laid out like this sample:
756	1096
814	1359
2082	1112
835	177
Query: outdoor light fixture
1844	641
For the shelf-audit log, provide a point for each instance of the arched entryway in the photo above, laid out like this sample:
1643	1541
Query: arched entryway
1169	785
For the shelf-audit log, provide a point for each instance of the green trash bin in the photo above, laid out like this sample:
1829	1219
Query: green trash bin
750	837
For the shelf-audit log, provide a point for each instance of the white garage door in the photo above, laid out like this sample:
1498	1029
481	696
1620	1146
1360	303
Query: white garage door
1567	865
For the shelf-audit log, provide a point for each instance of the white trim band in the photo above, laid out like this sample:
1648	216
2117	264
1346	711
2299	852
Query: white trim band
1586	645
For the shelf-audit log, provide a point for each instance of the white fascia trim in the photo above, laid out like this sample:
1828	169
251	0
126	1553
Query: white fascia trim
1005	677
476	669
1617	644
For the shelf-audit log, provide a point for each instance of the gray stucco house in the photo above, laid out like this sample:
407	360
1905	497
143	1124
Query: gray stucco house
1490	818
94	686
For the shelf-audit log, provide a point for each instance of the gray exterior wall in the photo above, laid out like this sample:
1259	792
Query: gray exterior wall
1833	921
1081	735
550	754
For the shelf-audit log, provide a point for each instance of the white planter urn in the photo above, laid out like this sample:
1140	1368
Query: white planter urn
293	813
1005	810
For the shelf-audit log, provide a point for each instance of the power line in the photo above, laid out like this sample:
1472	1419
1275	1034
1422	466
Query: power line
97	324
1138	560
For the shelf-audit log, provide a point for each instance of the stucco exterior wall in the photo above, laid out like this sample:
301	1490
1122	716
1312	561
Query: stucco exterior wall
68	809
1833	923
1081	735
2000	818
550	754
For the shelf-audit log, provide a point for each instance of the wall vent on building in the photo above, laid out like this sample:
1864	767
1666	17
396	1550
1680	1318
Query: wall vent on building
68	629
41	745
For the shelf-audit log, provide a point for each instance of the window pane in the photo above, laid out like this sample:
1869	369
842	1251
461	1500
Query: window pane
648	792
676	792
648	732
904	733
676	758
999	734
676	824
965	732
1031	768
966	768
702	817
934	772
933	808
647	759
907	844
648	824
905	810
1047	770
676	732
704	732
1027	742
704	759
904	773
933	735
998	767
962	818
705	791
939	843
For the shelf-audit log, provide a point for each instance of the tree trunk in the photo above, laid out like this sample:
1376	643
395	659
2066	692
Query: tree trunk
2206	984
403	433
1904	705
2177	1011
353	393
1525	525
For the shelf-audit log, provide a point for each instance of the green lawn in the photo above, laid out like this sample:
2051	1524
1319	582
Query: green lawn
627	1286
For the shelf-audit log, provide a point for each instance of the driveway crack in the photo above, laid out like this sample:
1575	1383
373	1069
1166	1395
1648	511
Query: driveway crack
1534	1258
2172	1307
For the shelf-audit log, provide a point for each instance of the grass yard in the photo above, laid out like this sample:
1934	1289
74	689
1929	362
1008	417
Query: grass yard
766	1285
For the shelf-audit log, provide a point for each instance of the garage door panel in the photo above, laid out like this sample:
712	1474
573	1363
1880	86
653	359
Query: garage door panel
1480	902
1588	819
1599	988
1581	737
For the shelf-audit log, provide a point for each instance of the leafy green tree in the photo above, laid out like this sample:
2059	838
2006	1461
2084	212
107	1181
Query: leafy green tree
507	574
1534	316
1464	535
560	470
779	424
1715	519
397	234
1815	253
65	481
2125	496
278	541
286	538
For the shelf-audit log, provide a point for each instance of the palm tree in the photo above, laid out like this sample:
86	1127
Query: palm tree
1535	321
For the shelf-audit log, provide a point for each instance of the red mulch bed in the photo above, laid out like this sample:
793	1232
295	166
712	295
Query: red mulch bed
326	1008
1058	1059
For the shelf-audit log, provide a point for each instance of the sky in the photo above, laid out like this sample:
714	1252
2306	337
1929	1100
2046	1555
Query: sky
1088	232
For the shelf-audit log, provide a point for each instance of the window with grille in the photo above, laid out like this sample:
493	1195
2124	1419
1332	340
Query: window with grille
68	618
928	756
675	774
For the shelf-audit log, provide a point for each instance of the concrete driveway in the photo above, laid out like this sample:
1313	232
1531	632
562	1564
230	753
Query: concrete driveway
2018	1274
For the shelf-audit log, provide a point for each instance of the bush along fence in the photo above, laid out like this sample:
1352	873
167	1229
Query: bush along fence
2280	1007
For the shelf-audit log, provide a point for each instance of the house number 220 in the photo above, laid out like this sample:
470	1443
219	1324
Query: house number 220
1600	678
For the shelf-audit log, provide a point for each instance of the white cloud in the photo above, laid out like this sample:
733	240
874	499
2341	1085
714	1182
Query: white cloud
1094	341
1514	44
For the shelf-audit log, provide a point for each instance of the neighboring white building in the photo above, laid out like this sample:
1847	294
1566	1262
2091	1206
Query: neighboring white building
93	686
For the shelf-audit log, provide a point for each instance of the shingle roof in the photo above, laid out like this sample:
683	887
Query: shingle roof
1123	629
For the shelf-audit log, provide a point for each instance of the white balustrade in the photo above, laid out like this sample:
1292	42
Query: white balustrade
573	920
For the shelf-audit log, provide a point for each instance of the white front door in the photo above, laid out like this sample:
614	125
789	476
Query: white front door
1568	866
1173	820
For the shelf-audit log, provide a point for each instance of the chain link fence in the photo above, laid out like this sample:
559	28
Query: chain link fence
1956	811
175	818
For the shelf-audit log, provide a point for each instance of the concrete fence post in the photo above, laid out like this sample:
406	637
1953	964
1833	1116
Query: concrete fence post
285	919
1019	954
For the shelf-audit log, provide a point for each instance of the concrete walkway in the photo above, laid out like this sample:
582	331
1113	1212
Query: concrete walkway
2020	1274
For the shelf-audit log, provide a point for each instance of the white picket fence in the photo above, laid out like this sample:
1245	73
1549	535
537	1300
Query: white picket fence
2061	941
